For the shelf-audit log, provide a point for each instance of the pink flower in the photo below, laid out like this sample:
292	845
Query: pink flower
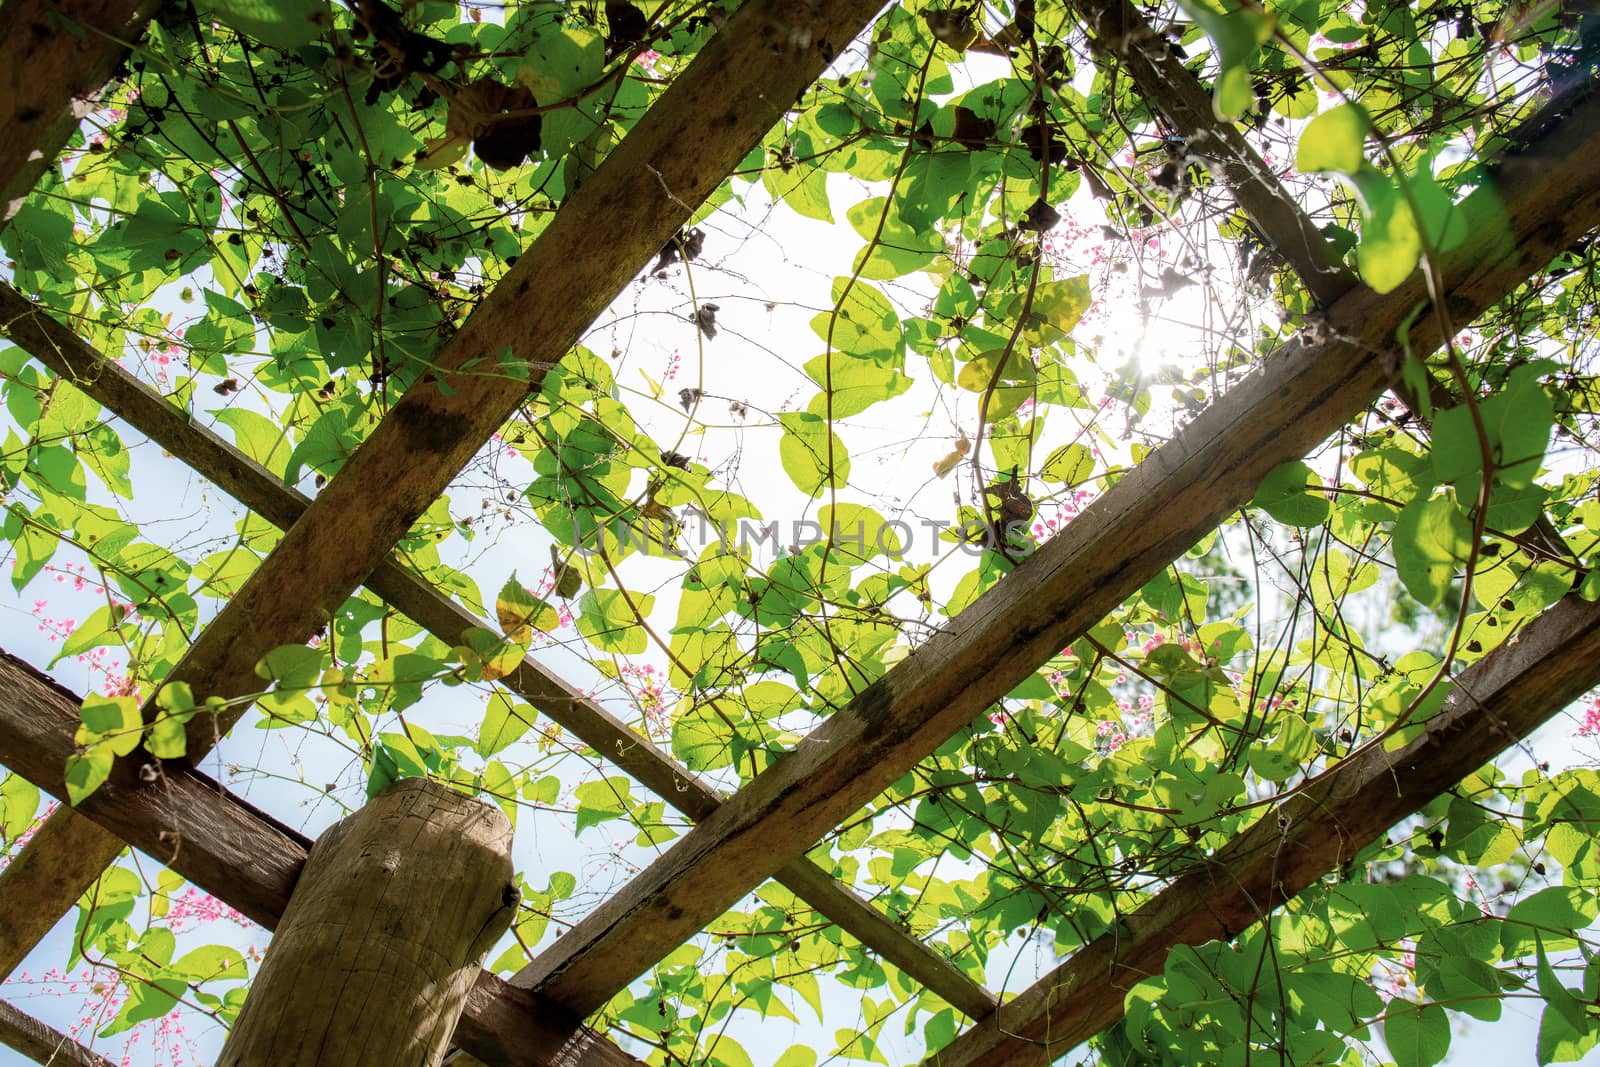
1591	719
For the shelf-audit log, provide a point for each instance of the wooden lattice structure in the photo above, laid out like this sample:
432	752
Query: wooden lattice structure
701	128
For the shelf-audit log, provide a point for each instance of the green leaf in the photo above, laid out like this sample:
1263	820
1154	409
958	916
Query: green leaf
1288	494
1444	223
1517	420
562	62
858	533
813	457
504	723
1550	915
853	384
797	1056
804	189
1237	34
1431	540
519	612
1418	1035
606	617
280	23
86	771
292	666
114	720
897	248
167	738
1056	308
1391	245
1334	140
1071	464
601	800
258	437
210	963
103	627
19	800
150	999
700	737
863	322
1010	374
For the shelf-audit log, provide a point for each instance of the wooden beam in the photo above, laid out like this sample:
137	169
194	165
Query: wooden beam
43	1043
712	115
243	856
71	359
1299	396
1118	30
217	841
738	86
384	935
42	882
53	53
1494	703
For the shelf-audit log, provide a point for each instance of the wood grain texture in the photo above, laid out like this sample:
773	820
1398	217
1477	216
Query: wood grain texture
1494	703
46	878
510	1027
187	822
70	358
242	856
383	937
43	1043
52	53
1300	395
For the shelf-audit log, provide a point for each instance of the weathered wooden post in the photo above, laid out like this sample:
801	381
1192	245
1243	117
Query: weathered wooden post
383	937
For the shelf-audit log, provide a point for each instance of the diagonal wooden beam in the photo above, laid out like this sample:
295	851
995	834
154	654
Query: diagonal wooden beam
142	407
42	882
1497	701
52	53
43	1043
243	856
1117	30
734	91
1301	394
713	114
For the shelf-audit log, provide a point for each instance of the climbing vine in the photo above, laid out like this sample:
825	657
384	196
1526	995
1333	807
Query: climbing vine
973	278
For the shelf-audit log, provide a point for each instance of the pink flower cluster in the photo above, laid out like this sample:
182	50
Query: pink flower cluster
103	992
644	685
116	680
1591	718
196	906
1065	511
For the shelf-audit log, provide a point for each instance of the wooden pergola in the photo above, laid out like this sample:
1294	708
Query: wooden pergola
707	121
